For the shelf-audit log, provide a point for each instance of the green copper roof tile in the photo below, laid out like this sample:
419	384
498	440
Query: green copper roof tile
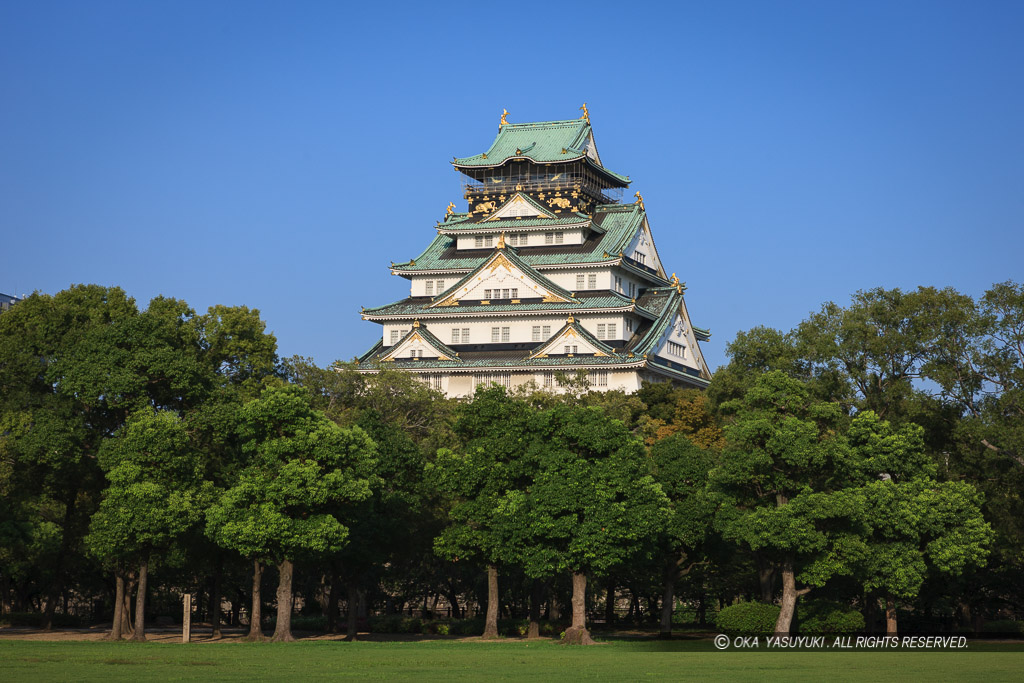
484	227
420	306
542	142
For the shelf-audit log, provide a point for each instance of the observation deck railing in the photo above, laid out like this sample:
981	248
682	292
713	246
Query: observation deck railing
566	182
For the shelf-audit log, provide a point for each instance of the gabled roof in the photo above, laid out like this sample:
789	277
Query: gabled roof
518	198
504	257
420	333
543	142
572	332
514	225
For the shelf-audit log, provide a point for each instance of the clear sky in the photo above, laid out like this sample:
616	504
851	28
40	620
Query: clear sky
281	154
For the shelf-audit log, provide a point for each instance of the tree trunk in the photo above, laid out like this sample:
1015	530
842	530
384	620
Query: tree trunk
256	613
765	579
491	622
283	631
352	613
140	602
127	630
609	602
536	597
789	596
115	629
577	634
668	601
215	604
333	598
890	615
453	600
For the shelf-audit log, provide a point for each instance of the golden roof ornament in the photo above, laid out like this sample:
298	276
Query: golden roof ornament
570	320
674	280
501	240
504	116
640	200
415	323
450	210
586	112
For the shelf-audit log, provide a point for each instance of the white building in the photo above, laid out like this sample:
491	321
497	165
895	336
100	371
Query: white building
545	273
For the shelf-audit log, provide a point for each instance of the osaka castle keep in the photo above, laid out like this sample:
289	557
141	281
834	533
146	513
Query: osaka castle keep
546	272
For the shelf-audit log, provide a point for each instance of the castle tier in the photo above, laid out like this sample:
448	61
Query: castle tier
547	272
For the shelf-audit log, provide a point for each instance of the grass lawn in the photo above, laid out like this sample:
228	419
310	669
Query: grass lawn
468	660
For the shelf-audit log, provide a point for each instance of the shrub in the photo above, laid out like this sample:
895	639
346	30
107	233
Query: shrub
395	623
753	618
1004	627
826	616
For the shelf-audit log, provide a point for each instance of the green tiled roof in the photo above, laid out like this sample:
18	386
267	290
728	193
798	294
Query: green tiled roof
619	222
514	224
582	331
420	306
521	362
543	142
427	337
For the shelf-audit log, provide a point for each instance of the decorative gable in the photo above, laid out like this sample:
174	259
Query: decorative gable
504	276
678	343
419	343
572	340
520	206
642	250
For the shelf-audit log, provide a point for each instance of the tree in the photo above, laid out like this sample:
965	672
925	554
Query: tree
156	494
283	504
784	480
482	481
916	523
681	468
591	504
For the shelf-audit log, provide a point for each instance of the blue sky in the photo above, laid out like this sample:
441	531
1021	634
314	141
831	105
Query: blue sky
280	154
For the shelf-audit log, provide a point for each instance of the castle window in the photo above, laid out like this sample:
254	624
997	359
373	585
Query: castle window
430	288
487	294
523	239
546	331
455	335
559	237
592	281
629	325
506	333
440	286
549	238
504	294
395	337
677	349
536	333
599	378
600	330
618	284
501	379
611	330
549	380
640	258
495	334
489	241
515	292
579	281
465	335
478	241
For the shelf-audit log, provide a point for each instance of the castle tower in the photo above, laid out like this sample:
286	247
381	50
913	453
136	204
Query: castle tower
546	272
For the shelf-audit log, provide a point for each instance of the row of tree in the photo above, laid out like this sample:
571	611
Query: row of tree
873	457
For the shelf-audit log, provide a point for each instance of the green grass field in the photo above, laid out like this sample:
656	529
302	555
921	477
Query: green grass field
473	661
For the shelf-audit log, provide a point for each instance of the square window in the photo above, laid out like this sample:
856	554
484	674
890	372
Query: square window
506	334
546	331
430	288
465	335
600	330
592	281
549	238
487	294
440	288
567	350
495	334
579	281
611	330
536	333
523	240
394	337
478	241
455	335
515	293
504	294
559	237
